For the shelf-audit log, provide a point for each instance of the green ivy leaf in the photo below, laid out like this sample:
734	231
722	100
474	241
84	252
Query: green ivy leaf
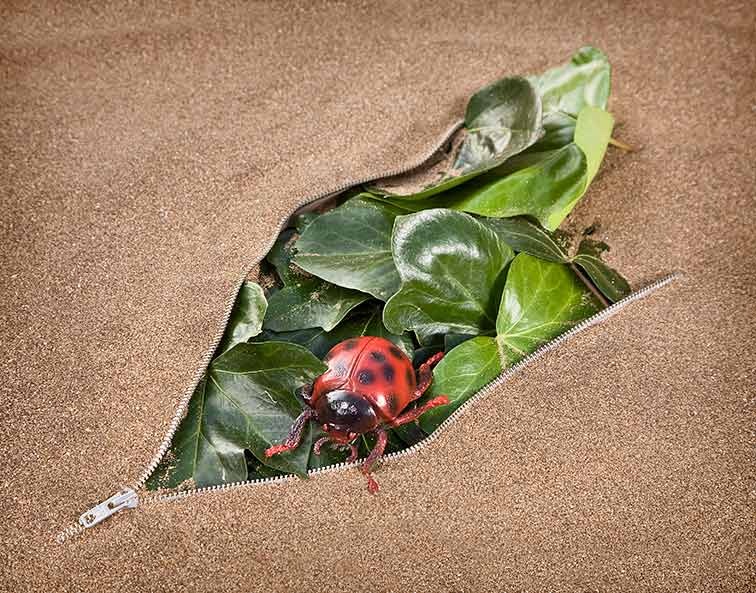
459	375
592	133
558	132
246	401
611	284
281	254
410	434
310	303
584	81
363	321
304	302
305	219
525	236
528	237
315	339
368	321
451	266
502	119
246	317
544	185
566	90
541	300
350	246
257	470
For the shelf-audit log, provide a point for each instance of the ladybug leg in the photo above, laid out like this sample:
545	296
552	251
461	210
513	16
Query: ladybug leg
353	455
412	415
323	440
425	374
304	393
319	444
295	434
375	454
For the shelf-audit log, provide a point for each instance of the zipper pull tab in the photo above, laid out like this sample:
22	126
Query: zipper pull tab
125	499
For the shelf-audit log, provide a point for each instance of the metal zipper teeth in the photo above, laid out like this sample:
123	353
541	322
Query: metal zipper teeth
76	528
484	391
148	499
207	358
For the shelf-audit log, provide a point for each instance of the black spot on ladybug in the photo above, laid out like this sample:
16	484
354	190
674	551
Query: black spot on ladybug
392	404
366	377
340	369
388	372
350	344
377	356
396	353
410	376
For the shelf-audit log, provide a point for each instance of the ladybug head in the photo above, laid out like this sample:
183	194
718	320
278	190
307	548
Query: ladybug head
345	415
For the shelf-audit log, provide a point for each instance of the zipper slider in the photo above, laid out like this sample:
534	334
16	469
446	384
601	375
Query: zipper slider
125	499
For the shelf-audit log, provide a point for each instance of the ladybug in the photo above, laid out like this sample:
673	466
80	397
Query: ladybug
366	389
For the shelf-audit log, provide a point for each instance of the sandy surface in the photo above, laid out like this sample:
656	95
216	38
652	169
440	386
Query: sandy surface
149	157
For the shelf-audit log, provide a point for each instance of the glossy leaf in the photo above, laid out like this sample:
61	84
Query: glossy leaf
558	132
544	185
584	81
525	236
410	433
459	375
451	266
304	302
304	219
592	133
451	341
541	300
611	284
310	303
246	401
246	317
364	321
315	339
502	119
350	246
281	254
368	321
566	90
257	470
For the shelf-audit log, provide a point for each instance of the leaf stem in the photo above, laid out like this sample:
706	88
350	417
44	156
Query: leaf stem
592	287
621	145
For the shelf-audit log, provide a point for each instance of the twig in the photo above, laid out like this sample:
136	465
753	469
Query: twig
587	281
621	145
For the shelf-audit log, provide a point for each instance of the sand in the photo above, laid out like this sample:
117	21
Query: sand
150	155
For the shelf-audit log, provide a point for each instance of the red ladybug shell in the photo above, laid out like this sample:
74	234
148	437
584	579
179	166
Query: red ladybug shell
372	367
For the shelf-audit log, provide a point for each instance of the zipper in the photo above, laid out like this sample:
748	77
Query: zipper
77	528
129	498
207	358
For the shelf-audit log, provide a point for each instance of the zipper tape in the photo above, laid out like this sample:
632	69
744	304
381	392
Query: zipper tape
207	358
128	497
229	306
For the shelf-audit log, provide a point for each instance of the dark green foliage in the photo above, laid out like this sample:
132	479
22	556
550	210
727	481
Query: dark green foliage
468	263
